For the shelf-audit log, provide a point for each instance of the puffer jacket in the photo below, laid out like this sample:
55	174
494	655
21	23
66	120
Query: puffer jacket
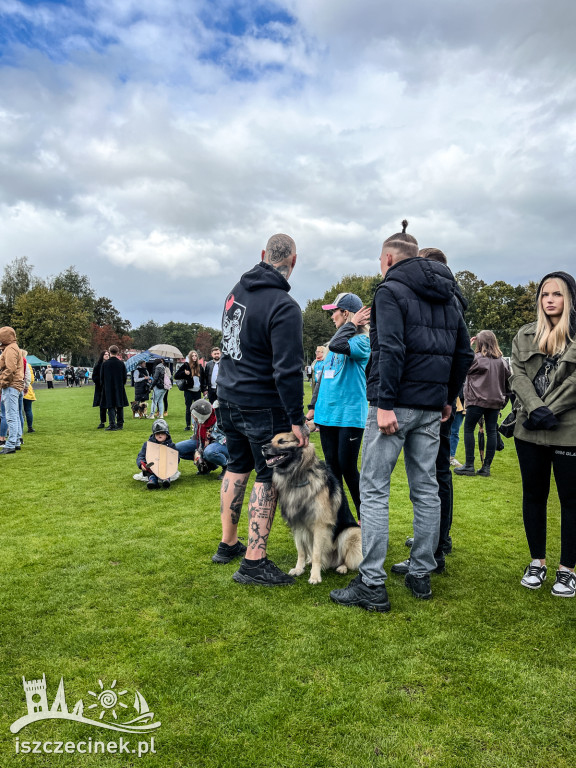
419	341
11	360
560	397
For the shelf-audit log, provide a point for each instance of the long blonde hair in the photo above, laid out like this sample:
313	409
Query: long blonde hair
553	339
487	344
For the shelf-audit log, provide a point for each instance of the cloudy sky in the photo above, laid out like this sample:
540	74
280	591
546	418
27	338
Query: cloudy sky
156	145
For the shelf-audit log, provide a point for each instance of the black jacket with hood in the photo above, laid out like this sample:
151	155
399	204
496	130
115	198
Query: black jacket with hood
262	355
419	341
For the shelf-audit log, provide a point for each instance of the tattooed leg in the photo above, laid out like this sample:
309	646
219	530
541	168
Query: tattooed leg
261	509
231	498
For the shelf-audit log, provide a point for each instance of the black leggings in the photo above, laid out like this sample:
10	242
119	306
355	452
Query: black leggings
341	446
473	415
189	398
536	462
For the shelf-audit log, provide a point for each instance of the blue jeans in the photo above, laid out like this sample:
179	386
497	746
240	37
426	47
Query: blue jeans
455	433
214	453
13	411
419	434
158	401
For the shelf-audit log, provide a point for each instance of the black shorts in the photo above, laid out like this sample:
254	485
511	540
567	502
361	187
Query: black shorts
247	429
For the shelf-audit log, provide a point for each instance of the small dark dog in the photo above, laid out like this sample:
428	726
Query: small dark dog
325	533
139	410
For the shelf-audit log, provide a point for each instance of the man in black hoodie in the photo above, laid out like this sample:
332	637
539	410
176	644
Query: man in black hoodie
420	353
260	393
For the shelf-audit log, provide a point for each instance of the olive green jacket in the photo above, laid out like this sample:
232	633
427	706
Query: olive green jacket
560	396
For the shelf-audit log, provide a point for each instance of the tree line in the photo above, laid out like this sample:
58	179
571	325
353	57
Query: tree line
498	307
63	316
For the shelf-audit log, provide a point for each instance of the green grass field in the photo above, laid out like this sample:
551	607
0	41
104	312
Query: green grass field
103	580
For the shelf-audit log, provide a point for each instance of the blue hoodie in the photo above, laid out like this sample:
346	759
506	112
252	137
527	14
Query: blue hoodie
262	354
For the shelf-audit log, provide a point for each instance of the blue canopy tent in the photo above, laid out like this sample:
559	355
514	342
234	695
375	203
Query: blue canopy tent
56	364
142	357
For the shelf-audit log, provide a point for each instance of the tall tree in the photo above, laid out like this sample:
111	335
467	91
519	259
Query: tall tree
147	335
17	280
51	322
105	313
78	285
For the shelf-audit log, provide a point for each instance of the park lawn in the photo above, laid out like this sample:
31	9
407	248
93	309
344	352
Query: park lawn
103	580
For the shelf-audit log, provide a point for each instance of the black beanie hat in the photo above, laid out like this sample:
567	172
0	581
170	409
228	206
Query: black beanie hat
571	284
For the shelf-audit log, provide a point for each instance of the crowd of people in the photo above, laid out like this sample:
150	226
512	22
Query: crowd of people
401	375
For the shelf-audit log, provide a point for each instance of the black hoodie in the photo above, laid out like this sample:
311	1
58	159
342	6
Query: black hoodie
262	355
419	341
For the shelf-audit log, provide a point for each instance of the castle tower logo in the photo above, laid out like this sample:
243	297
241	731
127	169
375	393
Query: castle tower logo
106	706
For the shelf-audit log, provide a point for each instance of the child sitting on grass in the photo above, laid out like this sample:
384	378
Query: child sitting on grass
160	434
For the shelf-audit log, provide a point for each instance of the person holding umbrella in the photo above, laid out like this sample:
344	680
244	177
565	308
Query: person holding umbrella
485	394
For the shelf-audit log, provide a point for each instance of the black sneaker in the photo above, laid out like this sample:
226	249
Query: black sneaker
7	450
227	552
186	429
30	430
111	428
419	585
165	483
362	595
466	470
265	574
404	567
484	471
152	483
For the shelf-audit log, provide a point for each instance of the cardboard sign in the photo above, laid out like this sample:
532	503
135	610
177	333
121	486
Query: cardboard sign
163	461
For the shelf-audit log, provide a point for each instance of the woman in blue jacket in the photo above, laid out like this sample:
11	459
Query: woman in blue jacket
339	406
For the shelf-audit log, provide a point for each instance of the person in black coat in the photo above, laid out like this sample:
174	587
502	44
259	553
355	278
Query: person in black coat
98	401
113	378
141	383
194	377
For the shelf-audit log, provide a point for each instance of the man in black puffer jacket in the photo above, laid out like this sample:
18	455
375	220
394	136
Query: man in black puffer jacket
260	393
420	353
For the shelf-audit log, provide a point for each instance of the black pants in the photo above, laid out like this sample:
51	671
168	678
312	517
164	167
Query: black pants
536	463
102	414
212	396
189	398
473	415
445	490
341	446
116	417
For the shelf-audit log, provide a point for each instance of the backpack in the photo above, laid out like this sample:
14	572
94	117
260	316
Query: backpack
167	381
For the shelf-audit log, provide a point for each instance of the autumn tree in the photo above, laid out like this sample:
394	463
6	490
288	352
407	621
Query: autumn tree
103	336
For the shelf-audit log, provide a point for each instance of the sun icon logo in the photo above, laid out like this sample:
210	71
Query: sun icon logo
108	699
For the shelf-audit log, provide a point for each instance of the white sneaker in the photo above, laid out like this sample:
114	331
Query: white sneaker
140	476
534	575
565	585
454	462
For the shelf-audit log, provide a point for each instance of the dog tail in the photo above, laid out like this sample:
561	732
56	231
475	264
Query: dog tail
349	545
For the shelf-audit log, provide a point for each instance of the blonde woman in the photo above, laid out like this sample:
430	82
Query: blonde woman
484	396
544	382
29	395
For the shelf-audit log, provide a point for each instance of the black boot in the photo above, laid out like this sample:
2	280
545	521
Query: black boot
484	471
467	469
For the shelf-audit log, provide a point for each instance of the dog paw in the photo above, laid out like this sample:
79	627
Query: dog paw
342	569
296	572
314	580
